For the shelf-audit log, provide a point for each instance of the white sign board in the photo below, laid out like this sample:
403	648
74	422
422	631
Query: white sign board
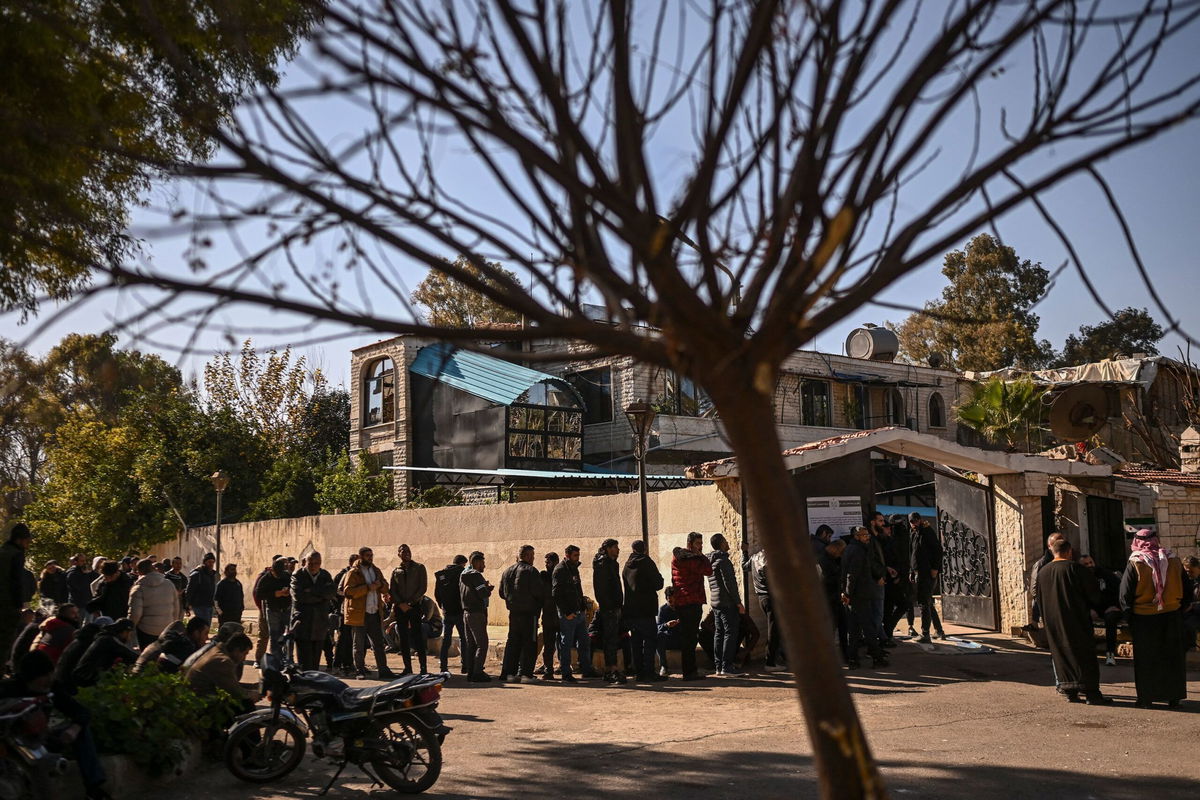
839	513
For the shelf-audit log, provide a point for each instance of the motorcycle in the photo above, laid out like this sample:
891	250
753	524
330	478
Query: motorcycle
26	765
392	731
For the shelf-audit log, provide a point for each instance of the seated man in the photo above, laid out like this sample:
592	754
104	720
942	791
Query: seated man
58	631
1108	610
218	669
668	630
172	648
35	678
110	647
224	634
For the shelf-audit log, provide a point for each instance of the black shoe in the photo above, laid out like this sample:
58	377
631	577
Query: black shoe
620	676
408	671
1170	703
1073	697
386	674
925	639
693	676
569	679
590	676
482	677
1098	700
547	675
442	667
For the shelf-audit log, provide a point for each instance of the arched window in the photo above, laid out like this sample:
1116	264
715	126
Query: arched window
379	393
894	407
937	411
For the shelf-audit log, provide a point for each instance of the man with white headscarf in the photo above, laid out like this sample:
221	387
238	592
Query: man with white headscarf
1151	595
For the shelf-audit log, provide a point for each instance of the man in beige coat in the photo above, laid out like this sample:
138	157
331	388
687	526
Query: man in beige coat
153	603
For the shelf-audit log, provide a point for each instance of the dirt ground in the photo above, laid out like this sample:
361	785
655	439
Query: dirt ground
942	724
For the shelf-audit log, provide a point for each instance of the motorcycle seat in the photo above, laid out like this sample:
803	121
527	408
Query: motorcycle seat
353	698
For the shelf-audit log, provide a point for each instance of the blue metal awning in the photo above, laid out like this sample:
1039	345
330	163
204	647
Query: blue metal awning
509	476
493	379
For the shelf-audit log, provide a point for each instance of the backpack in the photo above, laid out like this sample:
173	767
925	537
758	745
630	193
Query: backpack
445	590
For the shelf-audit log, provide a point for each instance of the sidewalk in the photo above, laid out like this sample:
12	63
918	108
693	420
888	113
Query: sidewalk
978	726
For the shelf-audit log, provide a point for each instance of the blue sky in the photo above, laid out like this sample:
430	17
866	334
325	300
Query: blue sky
1158	185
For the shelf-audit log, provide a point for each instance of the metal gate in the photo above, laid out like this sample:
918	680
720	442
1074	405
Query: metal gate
969	559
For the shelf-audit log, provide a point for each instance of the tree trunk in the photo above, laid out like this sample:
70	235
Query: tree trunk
845	767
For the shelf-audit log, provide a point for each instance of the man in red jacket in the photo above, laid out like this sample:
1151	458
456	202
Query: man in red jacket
689	569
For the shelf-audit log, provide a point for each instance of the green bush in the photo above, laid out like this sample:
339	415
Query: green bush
152	717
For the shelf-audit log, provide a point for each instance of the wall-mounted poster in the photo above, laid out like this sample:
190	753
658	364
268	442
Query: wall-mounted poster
839	513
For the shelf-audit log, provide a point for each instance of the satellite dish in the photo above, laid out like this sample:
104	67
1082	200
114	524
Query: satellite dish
1078	413
935	360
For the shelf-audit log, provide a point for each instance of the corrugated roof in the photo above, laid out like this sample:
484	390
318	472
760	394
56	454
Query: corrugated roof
1149	473
539	473
491	378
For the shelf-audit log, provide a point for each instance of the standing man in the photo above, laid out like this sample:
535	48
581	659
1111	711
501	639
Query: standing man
897	600
549	618
111	592
762	590
445	591
606	585
881	553
12	575
726	605
312	592
522	591
179	581
229	599
689	568
829	568
1151	594
821	537
408	585
343	657
572	618
642	582
858	592
79	581
1109	609
201	589
475	592
264	632
366	595
924	568
1068	593
153	603
275	591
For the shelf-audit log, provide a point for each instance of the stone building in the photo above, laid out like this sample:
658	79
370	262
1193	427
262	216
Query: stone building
818	395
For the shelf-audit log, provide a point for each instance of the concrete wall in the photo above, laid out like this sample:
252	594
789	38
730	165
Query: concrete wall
436	535
1020	541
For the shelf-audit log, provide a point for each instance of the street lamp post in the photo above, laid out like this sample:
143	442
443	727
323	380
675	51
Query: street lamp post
220	482
641	416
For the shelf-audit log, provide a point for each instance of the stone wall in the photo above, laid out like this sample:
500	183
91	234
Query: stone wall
1177	512
1019	543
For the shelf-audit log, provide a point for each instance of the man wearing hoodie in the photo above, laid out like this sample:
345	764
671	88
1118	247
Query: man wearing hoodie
445	591
79	581
202	588
689	568
549	617
153	603
522	591
726	605
475	592
642	582
606	584
572	617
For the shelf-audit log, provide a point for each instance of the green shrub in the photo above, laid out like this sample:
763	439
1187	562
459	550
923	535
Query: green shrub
152	717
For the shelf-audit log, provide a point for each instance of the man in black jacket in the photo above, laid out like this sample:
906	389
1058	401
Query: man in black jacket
112	595
858	592
898	601
229	598
549	618
642	581
829	567
926	565
275	589
201	587
727	607
476	593
522	591
572	617
445	591
762	590
79	581
312	595
606	583
12	569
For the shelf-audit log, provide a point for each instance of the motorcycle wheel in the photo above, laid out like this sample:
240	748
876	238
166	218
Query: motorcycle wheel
263	753
421	762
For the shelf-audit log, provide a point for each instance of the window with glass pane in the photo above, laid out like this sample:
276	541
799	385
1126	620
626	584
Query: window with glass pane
894	407
937	411
814	403
379	393
595	387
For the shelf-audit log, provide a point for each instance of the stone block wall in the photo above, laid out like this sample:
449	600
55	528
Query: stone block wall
1020	542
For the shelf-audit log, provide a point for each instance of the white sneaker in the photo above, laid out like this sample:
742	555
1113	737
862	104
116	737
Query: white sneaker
719	671
1110	660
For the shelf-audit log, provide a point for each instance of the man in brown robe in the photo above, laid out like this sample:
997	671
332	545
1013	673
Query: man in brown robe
1067	593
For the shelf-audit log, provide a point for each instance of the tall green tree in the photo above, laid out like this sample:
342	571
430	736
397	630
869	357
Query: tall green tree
1130	330
984	319
450	303
101	98
354	488
1006	413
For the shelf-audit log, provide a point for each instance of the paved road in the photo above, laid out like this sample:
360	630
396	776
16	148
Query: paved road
943	726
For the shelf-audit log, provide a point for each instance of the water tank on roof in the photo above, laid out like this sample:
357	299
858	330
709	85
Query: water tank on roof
872	342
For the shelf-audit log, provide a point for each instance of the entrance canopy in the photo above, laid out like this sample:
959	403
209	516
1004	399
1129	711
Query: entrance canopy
924	446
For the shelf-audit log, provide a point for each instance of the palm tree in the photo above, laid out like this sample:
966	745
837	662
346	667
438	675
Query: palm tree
1004	412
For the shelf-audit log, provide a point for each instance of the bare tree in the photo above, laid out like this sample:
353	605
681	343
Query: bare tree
737	175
